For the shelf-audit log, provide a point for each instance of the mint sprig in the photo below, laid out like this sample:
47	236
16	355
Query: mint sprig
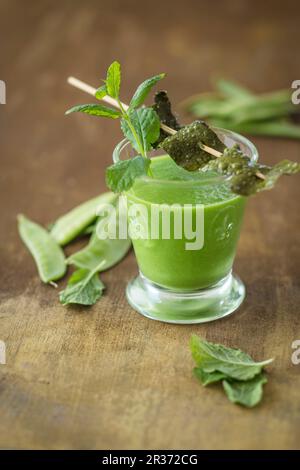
141	126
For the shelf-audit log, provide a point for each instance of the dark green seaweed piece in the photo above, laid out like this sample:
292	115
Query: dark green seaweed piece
184	146
248	183
162	106
244	175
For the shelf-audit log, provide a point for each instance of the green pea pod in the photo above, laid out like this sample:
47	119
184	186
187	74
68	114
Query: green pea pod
272	128
70	225
48	255
231	89
99	254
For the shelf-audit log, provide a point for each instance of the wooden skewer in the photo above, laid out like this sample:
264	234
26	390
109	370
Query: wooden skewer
107	99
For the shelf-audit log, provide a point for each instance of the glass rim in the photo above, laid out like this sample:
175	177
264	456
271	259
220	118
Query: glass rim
215	179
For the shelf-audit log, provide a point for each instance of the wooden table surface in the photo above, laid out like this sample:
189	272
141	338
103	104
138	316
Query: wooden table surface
106	377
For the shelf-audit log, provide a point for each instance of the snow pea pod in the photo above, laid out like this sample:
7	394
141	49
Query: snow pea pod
48	255
99	254
70	225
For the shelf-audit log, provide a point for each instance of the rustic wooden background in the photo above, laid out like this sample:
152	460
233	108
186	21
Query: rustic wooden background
106	377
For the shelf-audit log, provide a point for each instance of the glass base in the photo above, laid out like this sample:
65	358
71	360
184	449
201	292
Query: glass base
187	307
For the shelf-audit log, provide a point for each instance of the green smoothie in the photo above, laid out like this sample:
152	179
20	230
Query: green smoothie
167	262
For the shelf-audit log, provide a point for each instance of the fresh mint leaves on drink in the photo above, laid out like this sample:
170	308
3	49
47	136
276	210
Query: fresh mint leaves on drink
120	176
95	110
143	91
185	146
146	126
140	125
207	378
113	80
241	376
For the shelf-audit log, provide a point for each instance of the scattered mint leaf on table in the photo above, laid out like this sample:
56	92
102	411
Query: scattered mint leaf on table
120	176
207	378
113	80
84	287
248	393
233	363
242	378
143	90
95	110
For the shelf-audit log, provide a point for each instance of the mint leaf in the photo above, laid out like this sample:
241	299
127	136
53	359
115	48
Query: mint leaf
146	125
95	110
233	363
113	80
247	393
120	176
101	92
84	288
143	90
207	378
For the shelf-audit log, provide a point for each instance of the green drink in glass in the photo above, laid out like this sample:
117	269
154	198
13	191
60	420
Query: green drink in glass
179	284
